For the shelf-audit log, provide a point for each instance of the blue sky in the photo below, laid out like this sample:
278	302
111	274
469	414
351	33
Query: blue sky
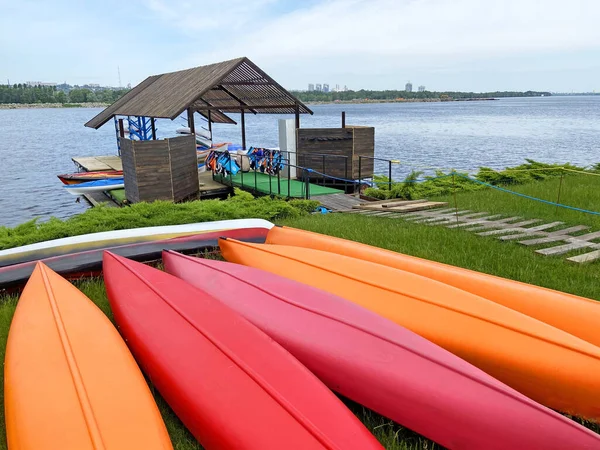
477	45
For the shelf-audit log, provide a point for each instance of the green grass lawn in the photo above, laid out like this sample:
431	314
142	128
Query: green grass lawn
580	191
452	246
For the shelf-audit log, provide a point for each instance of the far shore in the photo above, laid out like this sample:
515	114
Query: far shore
104	105
52	105
399	100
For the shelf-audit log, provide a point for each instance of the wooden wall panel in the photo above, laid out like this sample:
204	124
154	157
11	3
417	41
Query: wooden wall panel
350	142
160	170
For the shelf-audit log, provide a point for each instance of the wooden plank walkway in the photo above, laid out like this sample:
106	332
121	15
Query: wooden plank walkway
503	228
339	202
98	198
98	163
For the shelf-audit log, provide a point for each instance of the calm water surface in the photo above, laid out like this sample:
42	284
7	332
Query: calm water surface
37	144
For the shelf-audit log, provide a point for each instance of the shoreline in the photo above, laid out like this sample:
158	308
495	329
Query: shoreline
402	100
52	105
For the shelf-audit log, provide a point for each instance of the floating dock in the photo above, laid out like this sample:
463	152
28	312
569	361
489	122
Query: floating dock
271	185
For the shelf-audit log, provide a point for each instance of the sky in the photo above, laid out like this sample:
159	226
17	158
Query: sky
462	45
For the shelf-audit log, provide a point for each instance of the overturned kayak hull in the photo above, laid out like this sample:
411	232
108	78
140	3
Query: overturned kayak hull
82	177
229	383
84	242
95	186
576	315
89	263
382	366
70	381
540	361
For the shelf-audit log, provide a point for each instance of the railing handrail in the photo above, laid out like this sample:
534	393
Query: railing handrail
286	161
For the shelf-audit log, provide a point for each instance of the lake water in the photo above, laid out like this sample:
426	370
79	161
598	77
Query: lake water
37	144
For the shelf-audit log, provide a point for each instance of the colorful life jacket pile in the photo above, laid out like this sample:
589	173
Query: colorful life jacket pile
221	163
266	160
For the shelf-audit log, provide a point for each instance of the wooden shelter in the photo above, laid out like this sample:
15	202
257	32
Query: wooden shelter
235	86
160	170
345	153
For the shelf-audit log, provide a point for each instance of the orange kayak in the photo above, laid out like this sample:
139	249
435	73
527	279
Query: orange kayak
576	315
70	383
546	364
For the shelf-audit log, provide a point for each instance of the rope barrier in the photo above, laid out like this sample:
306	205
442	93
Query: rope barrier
529	196
585	173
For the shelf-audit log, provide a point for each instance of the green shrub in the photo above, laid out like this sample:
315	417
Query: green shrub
240	206
443	184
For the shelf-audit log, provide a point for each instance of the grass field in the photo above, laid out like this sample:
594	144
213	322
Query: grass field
580	191
457	247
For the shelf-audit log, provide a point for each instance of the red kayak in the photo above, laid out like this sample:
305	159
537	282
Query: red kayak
383	366
82	177
230	384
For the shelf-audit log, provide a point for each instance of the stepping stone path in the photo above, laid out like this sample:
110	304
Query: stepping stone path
484	224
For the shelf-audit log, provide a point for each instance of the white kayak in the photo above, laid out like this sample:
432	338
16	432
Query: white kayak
121	237
95	186
199	132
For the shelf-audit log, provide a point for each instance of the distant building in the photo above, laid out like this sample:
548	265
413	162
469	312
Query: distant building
345	88
325	87
318	87
421	88
39	83
311	87
408	87
337	88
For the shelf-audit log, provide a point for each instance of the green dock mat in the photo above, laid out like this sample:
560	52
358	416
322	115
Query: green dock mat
118	195
268	184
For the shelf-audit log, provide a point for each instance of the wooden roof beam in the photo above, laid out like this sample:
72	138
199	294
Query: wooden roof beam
228	92
246	83
291	106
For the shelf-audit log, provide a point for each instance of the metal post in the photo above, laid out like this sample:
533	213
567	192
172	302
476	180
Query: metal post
289	179
242	170
359	171
390	175
210	124
346	175
307	184
278	182
255	181
297	112
343	119
243	130
230	167
270	189
559	190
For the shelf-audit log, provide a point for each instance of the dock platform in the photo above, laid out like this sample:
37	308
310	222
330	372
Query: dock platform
99	198
98	163
271	185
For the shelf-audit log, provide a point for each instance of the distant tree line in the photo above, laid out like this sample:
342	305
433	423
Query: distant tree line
22	93
316	96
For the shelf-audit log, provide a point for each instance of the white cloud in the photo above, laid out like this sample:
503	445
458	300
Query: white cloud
192	17
413	28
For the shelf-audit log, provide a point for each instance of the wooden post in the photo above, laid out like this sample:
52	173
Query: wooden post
190	114
454	192
121	128
343	119
559	190
210	124
297	116
153	123
243	130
